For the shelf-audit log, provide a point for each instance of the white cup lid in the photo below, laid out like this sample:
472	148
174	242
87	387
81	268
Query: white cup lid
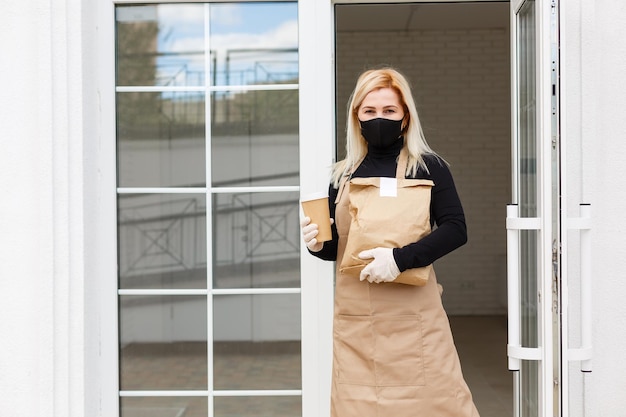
314	196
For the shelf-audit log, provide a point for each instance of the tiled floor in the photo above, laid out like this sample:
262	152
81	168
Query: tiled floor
480	340
481	343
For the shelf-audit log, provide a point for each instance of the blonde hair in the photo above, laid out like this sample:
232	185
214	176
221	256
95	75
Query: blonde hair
356	146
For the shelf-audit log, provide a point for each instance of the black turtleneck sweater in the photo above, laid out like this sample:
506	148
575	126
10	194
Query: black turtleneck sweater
446	211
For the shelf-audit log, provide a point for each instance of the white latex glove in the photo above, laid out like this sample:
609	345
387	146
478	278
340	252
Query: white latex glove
309	231
382	269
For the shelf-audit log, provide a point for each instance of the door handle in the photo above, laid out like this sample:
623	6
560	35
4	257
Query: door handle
584	353
515	351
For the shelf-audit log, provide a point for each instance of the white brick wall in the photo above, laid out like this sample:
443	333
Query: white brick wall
461	84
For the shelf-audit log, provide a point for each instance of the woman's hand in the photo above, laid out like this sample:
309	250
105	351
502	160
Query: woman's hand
382	269
309	231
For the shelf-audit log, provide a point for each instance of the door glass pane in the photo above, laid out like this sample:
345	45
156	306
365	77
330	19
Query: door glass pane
181	74
164	407
160	45
254	43
163	342
162	241
257	239
161	139
258	406
254	138
528	188
257	342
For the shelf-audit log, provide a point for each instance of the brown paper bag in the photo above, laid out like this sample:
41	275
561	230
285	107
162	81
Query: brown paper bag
382	219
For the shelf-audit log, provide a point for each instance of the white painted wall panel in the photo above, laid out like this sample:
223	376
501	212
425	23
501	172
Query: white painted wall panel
603	63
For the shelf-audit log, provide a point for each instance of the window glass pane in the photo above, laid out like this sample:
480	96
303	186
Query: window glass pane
257	342
254	43
164	407
161	142
161	139
160	45
162	240
257	240
528	187
254	138
163	342
258	406
527	109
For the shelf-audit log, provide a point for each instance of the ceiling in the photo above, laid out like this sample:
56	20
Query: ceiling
418	16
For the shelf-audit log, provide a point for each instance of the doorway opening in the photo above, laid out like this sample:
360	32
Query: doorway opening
456	56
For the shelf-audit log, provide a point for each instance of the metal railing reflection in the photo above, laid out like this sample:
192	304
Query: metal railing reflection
168	234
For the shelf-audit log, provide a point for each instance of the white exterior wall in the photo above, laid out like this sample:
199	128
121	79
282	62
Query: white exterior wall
41	244
51	213
603	126
25	214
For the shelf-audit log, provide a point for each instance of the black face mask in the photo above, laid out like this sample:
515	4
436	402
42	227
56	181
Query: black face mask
380	132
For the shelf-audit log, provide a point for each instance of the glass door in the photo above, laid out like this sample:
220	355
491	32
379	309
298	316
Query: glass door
533	220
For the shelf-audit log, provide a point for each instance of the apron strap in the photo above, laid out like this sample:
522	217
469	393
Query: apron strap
342	185
403	160
347	176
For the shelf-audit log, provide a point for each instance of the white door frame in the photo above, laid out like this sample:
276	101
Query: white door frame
552	223
543	353
317	132
104	262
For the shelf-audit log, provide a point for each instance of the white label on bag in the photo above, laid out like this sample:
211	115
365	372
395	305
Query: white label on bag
388	187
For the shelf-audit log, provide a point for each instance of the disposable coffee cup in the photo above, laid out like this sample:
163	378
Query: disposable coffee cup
315	206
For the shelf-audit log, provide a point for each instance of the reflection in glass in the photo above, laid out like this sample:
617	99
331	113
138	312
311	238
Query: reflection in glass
257	341
162	142
257	240
161	139
528	188
163	406
162	240
163	342
160	45
164	45
254	43
254	138
258	406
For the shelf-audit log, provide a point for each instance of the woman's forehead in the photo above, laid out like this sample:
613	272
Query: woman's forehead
381	96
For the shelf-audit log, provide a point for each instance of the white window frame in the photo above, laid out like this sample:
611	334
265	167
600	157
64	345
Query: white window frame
317	150
106	398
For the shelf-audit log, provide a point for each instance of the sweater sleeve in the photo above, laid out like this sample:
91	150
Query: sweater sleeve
329	250
446	213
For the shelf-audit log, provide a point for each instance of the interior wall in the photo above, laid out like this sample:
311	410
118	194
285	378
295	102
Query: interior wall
461	83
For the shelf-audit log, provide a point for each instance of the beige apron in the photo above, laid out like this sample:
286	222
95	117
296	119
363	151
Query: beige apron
393	352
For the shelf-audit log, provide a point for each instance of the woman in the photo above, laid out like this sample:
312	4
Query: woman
393	352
